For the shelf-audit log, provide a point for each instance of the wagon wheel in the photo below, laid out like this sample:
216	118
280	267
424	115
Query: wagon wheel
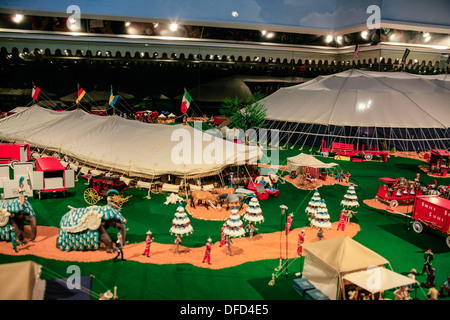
393	204
325	154
417	227
448	241
91	196
368	157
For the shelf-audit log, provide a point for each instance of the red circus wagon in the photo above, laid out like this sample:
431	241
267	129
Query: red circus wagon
394	191
439	160
434	212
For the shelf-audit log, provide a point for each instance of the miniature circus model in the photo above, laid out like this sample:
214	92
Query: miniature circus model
83	228
254	212
321	217
13	214
181	225
173	198
313	204
350	198
234	226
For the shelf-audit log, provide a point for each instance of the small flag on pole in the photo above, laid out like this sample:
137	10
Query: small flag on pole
356	54
81	94
112	98
186	102
35	92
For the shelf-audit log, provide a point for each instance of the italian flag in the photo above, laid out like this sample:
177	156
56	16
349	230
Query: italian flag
186	102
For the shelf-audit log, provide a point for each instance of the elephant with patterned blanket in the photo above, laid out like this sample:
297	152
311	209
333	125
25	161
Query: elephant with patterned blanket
84	228
13	214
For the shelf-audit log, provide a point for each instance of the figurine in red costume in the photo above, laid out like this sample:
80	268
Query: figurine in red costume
148	242
288	223
342	220
222	235
208	251
301	240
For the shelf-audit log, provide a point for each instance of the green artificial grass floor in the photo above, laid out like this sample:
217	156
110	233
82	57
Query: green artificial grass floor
382	232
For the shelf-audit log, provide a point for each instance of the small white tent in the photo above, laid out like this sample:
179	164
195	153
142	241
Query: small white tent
327	261
306	160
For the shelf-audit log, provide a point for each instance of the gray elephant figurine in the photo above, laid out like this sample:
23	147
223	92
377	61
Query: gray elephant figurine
231	198
12	214
83	229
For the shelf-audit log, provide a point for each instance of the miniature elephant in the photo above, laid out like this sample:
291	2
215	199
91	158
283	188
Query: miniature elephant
84	228
231	198
12	214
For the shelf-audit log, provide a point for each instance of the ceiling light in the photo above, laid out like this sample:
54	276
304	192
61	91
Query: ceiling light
263	32
18	18
234	14
270	35
339	39
127	23
329	39
426	34
364	34
173	27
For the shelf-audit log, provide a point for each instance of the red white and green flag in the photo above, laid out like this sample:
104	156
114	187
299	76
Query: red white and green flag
186	102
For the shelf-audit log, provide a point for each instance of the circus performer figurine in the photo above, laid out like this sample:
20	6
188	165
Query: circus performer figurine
250	229
320	234
222	235
342	220
21	192
208	251
349	214
347	176
289	223
148	241
229	243
119	246
301	240
110	201
177	242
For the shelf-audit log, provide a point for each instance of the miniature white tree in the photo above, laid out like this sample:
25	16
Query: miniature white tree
350	198
234	226
321	218
181	225
313	204
254	212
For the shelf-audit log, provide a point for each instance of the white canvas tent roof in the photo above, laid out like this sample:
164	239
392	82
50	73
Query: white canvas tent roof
365	99
328	260
20	281
126	146
379	279
306	160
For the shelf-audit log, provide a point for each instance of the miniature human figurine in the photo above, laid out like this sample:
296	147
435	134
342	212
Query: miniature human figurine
288	223
432	294
112	204
262	182
119	246
445	288
148	241
177	242
301	240
229	243
402	293
349	214
222	235
21	192
250	228
430	282
208	251
320	234
342	220
347	176
13	238
428	256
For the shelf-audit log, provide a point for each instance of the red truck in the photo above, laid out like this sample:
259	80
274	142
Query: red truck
434	212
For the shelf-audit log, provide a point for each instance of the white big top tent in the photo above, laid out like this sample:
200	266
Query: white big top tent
383	109
131	147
